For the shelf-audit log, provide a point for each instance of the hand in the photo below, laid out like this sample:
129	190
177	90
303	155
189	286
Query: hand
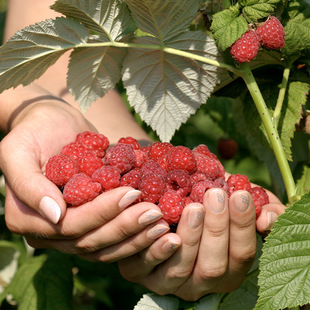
218	248
34	206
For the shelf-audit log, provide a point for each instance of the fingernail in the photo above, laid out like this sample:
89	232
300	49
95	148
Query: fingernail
242	201
271	218
157	231
217	201
129	198
50	209
170	247
149	217
195	217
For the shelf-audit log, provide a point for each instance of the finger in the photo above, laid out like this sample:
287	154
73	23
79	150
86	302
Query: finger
172	273
143	263
242	244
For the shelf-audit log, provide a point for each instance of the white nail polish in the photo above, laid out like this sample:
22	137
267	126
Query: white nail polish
50	209
129	198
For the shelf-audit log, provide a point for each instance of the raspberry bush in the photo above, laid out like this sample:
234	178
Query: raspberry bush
234	70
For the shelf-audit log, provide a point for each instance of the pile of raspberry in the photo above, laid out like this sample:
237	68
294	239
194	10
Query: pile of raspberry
269	34
169	176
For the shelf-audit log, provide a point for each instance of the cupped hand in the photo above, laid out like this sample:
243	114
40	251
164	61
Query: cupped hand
213	250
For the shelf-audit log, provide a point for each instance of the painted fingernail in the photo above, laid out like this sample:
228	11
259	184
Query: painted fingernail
149	217
242	201
129	198
271	218
217	201
195	217
170	247
157	231
50	209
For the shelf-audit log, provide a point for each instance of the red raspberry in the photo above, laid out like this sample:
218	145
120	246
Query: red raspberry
203	149
145	150
152	188
238	182
60	168
122	156
260	198
159	149
107	176
80	189
181	158
94	141
187	200
211	167
199	189
227	148
89	162
198	176
131	178
130	140
179	181
271	33
74	150
246	47
141	158
171	205
152	167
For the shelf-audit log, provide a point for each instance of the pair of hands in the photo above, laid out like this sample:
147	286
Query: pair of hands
212	250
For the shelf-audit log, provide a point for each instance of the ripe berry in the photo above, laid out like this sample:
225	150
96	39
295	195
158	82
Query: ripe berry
271	33
130	140
199	189
74	150
181	158
152	167
89	162
60	168
260	198
80	189
107	176
159	149
152	188
227	148
131	178
238	182
179	181
208	165
246	47
171	205
95	141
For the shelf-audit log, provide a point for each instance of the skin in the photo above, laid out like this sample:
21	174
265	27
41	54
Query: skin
215	242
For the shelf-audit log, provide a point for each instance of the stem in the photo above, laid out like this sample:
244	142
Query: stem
271	131
278	108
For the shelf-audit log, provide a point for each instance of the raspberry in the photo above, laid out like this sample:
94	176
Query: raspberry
198	176
60	168
94	141
208	165
179	181
238	182
260	198
141	158
152	167
152	188
271	34
130	140
74	150
203	149
159	149
80	189
246	47
171	205
107	176
181	158
89	162
122	156
131	178
199	189
227	148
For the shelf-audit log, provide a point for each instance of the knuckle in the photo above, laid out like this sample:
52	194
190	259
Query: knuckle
177	273
215	272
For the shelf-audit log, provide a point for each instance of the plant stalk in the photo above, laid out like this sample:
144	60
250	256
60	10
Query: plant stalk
271	131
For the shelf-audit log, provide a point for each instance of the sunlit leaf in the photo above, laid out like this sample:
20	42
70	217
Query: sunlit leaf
156	302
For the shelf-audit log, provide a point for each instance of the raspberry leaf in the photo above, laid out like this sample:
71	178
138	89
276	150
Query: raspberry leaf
152	301
28	53
166	89
284	264
163	19
257	9
303	184
111	19
228	26
100	72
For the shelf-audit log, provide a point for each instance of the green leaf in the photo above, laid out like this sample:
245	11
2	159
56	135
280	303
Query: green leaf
228	26
285	263
27	54
156	302
166	89
43	282
303	184
297	29
163	19
111	19
257	9
93	71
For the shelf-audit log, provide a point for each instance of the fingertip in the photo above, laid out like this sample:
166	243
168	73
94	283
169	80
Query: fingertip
265	221
50	209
